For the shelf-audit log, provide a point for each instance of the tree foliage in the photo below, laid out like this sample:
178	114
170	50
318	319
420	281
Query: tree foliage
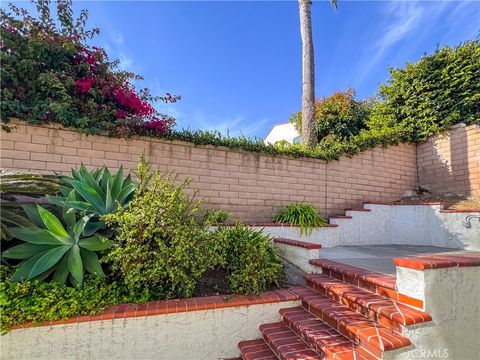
433	94
338	115
50	73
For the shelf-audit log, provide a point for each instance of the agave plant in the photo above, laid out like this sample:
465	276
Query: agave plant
95	193
49	247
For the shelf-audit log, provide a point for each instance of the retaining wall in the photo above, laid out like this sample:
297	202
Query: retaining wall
450	162
250	185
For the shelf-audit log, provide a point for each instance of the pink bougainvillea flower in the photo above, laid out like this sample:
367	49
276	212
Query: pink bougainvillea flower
84	85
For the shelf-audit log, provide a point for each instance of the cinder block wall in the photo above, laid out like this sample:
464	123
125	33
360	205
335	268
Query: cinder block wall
250	185
450	162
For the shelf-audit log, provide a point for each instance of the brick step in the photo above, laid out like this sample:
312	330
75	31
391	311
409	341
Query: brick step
302	244
321	337
382	284
286	344
357	209
389	313
256	350
340	217
368	334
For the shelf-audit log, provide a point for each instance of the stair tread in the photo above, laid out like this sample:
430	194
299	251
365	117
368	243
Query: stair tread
320	335
373	277
398	312
350	323
256	350
303	244
286	344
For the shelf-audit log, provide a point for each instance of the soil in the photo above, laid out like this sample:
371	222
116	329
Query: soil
212	282
451	201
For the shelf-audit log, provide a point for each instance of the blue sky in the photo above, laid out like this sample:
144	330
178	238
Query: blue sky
237	64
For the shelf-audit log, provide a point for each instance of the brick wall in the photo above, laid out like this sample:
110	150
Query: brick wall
248	184
450	163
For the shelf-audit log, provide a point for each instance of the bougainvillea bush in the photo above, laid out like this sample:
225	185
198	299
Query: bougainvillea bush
50	73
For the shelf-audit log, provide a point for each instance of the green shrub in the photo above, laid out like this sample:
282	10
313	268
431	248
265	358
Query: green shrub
51	248
433	94
338	115
249	258
35	301
303	215
161	248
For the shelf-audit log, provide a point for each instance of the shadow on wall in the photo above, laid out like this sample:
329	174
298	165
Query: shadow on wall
449	163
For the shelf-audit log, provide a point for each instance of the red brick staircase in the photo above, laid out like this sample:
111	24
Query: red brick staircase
345	313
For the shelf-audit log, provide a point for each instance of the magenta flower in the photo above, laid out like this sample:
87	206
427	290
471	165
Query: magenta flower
84	85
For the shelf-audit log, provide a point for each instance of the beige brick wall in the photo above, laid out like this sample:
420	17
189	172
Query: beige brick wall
450	163
248	184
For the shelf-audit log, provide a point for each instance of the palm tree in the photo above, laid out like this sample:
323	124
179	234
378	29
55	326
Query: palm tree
309	138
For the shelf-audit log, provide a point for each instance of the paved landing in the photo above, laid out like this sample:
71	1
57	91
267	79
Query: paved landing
377	258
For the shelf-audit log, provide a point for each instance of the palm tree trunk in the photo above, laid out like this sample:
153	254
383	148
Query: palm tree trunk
309	137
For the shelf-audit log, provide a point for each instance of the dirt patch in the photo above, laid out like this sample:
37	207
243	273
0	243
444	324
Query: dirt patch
213	282
451	201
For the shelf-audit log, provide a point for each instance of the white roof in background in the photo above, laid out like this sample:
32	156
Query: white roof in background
283	131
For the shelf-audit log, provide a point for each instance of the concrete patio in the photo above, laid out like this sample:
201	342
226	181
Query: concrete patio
378	258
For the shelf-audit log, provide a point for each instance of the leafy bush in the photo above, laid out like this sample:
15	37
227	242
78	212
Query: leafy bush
161	248
338	115
249	258
215	217
35	301
432	94
303	215
50	248
50	74
96	193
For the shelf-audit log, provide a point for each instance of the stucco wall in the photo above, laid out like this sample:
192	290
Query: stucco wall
425	225
450	163
250	185
207	334
451	297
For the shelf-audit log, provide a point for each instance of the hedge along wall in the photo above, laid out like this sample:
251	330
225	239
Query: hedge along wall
450	163
251	185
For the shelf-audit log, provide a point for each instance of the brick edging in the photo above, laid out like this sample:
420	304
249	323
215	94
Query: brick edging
439	261
303	244
163	307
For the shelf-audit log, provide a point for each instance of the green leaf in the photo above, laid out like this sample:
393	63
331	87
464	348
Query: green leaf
92	227
33	215
25	251
52	223
41	236
80	226
48	260
89	180
81	205
95	243
117	183
90	195
91	263
126	191
106	178
61	273
13	218
25	268
109	201
75	265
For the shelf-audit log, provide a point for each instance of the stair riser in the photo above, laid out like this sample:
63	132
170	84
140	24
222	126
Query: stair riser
380	290
384	321
342	330
305	338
